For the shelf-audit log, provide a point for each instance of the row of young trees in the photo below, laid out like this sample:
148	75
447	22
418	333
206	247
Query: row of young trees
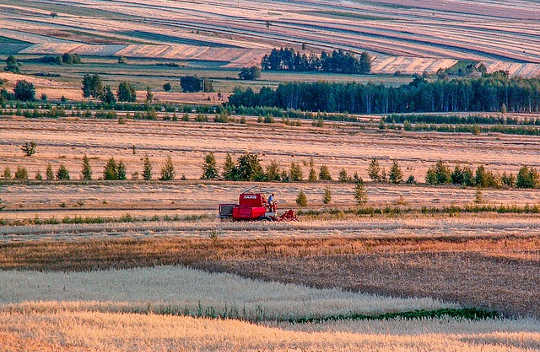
93	86
21	174
248	167
65	59
359	194
489	93
113	170
441	174
338	61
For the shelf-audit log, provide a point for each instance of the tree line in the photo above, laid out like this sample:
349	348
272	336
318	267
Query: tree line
248	167
113	170
488	93
338	61
441	174
465	120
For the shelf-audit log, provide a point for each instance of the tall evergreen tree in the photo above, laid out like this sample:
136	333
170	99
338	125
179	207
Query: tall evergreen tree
108	97
360	194
121	171
228	168
301	199
324	173
209	167
295	172
327	196
167	170
110	171
374	170
49	173
396	176
273	172
12	65
86	172
147	169
126	92
62	173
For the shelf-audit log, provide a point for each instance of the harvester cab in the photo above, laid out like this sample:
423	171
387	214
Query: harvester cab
254	206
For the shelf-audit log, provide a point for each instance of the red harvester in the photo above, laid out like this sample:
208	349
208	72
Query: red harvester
254	207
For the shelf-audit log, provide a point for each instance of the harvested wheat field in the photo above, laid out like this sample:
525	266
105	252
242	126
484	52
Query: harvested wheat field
406	232
336	145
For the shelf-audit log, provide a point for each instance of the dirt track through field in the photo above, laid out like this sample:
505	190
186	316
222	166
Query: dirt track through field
463	226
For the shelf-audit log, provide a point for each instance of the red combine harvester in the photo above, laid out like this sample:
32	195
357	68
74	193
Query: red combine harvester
254	207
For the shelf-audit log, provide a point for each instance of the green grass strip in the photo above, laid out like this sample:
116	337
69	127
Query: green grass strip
462	313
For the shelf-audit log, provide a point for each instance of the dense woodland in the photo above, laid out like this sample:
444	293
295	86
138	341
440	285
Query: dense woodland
494	92
287	59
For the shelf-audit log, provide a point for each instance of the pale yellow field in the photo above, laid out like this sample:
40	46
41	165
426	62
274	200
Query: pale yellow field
80	311
89	331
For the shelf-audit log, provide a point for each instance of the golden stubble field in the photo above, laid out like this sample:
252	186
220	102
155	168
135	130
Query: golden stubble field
94	286
338	145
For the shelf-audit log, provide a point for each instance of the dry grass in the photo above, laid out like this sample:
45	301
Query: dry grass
469	225
65	141
101	332
455	269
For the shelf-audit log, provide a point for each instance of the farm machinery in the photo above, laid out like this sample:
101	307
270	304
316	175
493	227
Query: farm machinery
253	206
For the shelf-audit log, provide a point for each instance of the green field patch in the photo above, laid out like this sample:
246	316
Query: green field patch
459	313
7	40
12	48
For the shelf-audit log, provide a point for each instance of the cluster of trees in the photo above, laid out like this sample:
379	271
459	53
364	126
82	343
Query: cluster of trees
250	73
66	59
338	61
248	167
195	84
462	120
23	91
113	170
441	174
12	65
482	94
360	196
395	175
92	86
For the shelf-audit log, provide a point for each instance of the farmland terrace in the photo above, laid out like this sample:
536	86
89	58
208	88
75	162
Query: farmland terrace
239	33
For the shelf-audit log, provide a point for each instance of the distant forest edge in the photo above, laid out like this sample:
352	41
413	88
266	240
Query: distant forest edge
494	92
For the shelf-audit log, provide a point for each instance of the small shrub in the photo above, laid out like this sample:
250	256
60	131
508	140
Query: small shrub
29	148
62	173
411	180
49	173
327	196
21	173
167	170
7	173
301	199
360	194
